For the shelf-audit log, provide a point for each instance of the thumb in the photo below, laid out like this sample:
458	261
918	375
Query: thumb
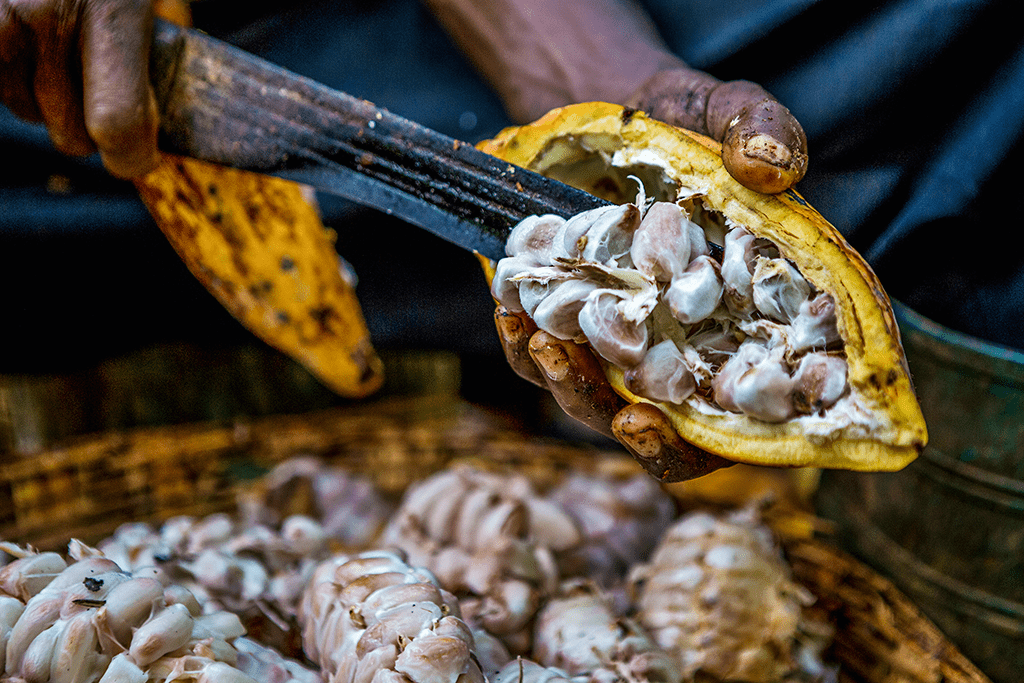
763	145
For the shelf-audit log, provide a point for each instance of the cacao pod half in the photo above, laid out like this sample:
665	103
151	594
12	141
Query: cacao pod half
258	245
877	424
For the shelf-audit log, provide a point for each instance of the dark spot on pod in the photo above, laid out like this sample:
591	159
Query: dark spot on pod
368	372
287	263
92	583
627	114
790	194
261	289
321	314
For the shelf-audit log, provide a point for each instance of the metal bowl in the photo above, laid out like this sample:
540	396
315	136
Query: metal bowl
949	528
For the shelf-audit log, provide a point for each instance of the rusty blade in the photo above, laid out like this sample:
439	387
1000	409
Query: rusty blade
223	105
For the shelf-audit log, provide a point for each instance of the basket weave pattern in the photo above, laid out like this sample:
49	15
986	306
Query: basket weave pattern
88	487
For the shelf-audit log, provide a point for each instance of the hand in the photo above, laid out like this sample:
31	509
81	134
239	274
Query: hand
577	381
763	145
80	67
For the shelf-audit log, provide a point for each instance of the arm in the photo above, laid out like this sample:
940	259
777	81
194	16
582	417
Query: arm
542	54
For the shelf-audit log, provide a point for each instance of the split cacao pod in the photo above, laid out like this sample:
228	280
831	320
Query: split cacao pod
879	427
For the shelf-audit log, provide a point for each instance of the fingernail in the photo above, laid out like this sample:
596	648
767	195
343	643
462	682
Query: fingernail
551	358
511	328
768	149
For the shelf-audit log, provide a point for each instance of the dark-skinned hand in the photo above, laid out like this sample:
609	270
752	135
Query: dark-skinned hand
576	380
764	148
541	54
763	145
80	67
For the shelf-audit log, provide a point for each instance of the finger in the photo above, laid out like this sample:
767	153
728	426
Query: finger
576	380
653	442
57	87
678	97
514	332
763	145
120	108
16	66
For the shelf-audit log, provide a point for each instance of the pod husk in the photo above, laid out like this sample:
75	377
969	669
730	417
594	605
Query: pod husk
258	245
565	143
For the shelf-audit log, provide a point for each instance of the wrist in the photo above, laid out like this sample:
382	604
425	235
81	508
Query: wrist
542	54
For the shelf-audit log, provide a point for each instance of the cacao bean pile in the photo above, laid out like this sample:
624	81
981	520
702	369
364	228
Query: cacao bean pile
474	575
742	332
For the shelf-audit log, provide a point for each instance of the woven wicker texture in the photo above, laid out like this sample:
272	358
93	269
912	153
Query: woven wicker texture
89	486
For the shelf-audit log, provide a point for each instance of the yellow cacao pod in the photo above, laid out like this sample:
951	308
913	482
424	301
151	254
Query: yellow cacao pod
258	245
597	146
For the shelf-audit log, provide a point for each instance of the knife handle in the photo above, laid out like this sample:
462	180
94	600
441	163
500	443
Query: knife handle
221	104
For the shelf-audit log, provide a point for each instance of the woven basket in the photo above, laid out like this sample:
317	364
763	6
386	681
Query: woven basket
89	486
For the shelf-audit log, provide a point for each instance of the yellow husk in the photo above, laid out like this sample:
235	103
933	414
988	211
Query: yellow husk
258	245
568	143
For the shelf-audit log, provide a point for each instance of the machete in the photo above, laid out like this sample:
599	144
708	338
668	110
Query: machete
222	105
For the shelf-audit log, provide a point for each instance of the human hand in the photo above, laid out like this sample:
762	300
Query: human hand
80	67
577	382
763	145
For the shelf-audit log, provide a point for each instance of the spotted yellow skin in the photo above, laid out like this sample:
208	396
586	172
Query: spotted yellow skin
878	373
258	245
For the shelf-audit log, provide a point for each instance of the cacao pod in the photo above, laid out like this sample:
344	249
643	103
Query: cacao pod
877	424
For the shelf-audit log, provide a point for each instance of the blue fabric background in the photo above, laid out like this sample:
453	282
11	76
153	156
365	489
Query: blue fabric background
914	111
